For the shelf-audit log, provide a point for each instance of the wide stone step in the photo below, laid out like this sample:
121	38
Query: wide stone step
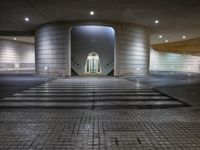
87	98
84	91
90	105
75	95
88	94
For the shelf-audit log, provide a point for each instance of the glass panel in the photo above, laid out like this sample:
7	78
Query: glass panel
93	64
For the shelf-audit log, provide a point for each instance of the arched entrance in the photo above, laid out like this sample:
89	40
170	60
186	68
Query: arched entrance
93	65
92	50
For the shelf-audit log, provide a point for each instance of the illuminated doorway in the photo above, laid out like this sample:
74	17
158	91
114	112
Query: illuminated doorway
93	65
86	39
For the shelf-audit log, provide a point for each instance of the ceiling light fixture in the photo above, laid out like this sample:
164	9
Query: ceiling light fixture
160	36
166	41
14	38
91	13
156	21
26	19
183	37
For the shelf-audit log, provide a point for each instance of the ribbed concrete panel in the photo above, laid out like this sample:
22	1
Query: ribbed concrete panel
52	49
16	56
160	61
133	46
130	56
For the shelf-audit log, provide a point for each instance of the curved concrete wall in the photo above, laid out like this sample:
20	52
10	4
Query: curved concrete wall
53	50
133	50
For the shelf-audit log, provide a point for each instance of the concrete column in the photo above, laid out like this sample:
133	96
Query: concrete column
52	50
132	50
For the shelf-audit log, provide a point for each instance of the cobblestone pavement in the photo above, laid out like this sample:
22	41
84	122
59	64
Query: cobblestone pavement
102	128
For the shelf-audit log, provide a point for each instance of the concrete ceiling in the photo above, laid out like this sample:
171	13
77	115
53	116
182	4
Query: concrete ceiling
177	17
186	46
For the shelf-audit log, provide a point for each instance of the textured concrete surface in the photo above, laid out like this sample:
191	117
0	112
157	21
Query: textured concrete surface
102	129
53	50
12	83
171	61
16	56
172	129
182	86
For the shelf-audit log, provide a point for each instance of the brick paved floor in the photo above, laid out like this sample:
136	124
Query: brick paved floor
100	129
93	128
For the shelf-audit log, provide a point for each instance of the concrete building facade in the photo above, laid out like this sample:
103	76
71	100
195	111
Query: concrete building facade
53	48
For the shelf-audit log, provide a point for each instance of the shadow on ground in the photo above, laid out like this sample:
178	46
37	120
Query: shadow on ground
13	83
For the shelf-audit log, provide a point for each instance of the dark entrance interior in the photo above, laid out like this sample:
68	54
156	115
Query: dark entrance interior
92	50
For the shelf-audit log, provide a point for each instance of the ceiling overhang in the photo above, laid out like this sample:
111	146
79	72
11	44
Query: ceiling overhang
192	45
176	17
16	33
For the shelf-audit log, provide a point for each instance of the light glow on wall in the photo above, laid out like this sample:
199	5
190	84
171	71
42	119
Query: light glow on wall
45	68
138	68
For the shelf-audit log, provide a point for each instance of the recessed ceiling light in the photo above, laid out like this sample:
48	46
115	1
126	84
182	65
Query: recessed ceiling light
91	13
156	21
14	38
160	36
184	37
166	41
26	19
